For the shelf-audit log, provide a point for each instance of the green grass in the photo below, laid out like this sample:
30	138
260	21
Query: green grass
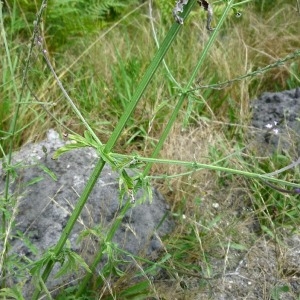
102	73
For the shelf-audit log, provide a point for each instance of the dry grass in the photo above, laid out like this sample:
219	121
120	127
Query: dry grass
252	42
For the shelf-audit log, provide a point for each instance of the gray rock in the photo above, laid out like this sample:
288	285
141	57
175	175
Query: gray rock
280	110
44	207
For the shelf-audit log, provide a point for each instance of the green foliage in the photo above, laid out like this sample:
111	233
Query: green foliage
68	293
65	20
11	293
70	261
294	79
278	292
125	75
137	291
275	208
74	19
165	8
264	6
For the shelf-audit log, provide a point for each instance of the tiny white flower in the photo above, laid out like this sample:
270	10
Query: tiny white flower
215	205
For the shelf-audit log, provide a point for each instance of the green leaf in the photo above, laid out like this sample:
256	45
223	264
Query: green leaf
67	148
90	140
140	288
117	271
27	242
34	180
80	142
48	172
79	139
237	246
13	293
72	262
79	260
39	264
147	187
278	290
267	230
127	180
108	158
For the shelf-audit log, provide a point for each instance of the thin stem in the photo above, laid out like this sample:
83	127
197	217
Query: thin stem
116	224
259	71
141	88
157	45
187	88
70	101
100	164
70	224
13	125
213	167
146	79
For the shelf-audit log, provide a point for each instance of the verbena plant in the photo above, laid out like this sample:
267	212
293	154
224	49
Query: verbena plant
42	268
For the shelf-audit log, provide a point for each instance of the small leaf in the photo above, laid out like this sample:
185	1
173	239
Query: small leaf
117	271
12	293
127	180
78	259
79	139
48	172
71	262
278	290
90	140
67	148
107	158
267	230
237	246
140	288
34	180
27	242
39	264
285	289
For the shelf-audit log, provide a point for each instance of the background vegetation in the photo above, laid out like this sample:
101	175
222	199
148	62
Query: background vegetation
100	50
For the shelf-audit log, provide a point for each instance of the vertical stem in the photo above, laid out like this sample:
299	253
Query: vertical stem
85	282
70	224
188	86
13	127
146	79
100	164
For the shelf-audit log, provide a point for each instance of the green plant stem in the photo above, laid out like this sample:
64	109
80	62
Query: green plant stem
100	164
259	71
195	166
85	282
70	224
185	91
241	3
146	79
121	124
